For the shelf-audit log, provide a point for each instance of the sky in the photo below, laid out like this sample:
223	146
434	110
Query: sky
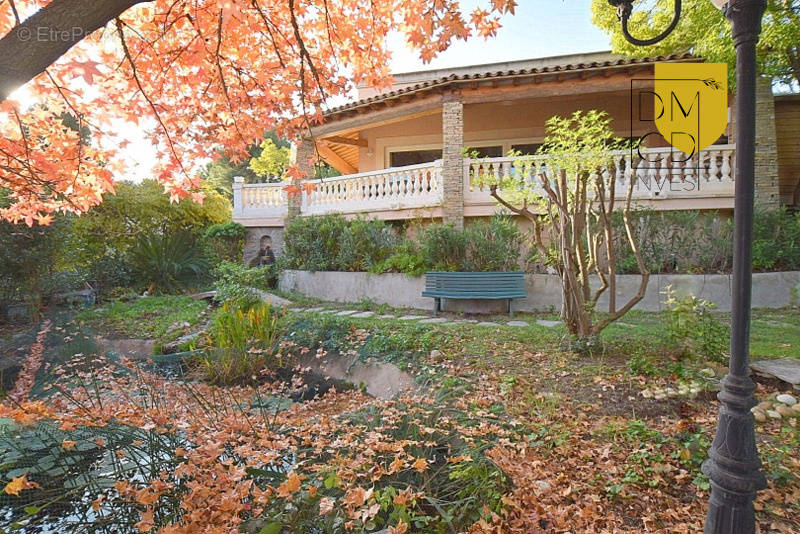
540	28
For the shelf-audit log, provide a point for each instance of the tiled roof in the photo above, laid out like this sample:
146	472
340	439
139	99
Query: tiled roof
455	78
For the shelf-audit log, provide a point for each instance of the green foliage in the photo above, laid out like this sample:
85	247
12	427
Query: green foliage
234	282
364	243
272	161
28	257
406	259
443	247
167	262
494	245
704	31
226	240
242	343
692	328
687	241
332	243
776	240
104	237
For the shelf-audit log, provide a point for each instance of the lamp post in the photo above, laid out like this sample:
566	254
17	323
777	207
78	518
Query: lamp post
733	465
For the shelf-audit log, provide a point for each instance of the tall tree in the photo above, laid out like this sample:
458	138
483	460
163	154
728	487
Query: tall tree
210	74
704	31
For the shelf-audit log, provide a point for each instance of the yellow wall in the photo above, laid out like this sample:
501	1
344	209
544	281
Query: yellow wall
506	123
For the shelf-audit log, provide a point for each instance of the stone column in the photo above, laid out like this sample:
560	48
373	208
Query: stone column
767	184
301	155
453	159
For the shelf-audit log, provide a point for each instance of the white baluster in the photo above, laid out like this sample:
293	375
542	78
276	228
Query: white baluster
726	166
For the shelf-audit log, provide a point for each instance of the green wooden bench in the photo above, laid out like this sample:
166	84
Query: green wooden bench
489	285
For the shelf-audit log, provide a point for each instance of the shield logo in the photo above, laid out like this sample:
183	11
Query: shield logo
691	104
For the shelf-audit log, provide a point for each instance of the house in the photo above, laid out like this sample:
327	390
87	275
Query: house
401	152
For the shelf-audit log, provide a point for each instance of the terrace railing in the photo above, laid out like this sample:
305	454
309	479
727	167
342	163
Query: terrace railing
657	175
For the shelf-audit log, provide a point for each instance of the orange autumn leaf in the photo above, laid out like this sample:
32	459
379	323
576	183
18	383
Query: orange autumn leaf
67	444
401	528
325	506
18	484
97	502
309	187
421	464
290	485
292	190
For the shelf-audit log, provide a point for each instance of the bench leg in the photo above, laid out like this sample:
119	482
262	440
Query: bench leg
437	305
510	310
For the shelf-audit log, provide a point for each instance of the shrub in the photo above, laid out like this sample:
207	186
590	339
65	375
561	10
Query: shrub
692	328
677	242
364	243
167	262
234	282
312	243
242	342
332	243
443	247
776	240
226	240
494	245
406	259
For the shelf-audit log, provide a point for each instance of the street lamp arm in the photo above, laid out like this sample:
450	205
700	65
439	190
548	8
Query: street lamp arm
624	9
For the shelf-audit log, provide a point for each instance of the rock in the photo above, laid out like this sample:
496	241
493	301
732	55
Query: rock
386	316
487	323
274	300
205	295
326	312
315	309
435	353
344	313
647	394
433	320
545	322
786	399
760	416
410	317
772	414
671	392
659	396
796	408
708	372
363	314
784	410
517	323
543	486
786	369
765	405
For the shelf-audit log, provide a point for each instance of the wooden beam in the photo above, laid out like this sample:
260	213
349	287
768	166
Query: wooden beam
335	160
339	140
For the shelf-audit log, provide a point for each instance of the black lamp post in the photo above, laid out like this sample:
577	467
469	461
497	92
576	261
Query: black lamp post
733	465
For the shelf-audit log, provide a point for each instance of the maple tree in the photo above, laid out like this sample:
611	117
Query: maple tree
208	74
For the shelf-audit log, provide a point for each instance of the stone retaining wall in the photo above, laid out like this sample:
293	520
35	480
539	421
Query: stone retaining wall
770	290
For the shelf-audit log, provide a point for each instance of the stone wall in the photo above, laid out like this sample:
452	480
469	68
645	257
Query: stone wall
767	188
453	160
255	234
770	290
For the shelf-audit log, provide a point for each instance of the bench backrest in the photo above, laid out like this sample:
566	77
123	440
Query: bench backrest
476	284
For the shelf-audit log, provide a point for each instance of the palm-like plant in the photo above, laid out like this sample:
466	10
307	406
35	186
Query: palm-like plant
167	262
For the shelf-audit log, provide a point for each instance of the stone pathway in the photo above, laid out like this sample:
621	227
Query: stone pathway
421	319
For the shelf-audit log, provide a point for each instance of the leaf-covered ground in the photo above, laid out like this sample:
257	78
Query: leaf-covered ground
505	433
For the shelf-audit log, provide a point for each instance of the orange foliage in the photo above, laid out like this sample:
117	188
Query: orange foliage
201	75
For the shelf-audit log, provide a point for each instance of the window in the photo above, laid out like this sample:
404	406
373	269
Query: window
413	157
487	151
527	149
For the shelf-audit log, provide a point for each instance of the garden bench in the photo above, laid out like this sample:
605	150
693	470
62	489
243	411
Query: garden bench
468	285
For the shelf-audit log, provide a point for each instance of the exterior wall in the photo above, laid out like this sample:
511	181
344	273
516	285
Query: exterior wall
787	126
252	241
770	290
767	191
497	123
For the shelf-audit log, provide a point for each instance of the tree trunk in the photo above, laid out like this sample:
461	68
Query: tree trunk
35	44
